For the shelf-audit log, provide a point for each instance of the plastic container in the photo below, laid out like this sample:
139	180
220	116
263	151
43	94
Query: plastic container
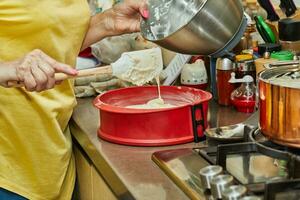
243	98
194	75
244	106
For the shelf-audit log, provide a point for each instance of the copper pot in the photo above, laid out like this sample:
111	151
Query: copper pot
279	89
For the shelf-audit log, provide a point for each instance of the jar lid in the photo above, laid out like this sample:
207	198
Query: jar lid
283	55
224	64
242	57
268	47
284	76
289	29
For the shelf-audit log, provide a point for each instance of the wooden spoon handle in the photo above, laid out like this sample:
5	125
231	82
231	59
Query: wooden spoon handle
81	73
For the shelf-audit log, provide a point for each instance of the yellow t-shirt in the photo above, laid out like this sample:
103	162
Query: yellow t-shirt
35	145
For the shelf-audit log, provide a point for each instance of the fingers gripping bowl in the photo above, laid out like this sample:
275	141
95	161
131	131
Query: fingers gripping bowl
154	127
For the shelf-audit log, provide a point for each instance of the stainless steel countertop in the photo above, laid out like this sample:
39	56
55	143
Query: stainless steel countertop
129	171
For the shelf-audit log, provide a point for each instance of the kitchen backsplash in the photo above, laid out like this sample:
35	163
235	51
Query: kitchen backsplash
296	1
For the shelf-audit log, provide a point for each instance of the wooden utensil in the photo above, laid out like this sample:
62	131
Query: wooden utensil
137	67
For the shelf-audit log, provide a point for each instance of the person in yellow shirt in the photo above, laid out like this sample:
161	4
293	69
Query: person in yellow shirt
38	39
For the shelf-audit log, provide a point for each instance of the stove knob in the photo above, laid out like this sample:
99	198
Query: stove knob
207	173
220	183
251	198
234	192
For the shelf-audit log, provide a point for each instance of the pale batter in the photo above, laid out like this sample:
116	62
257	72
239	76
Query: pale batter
158	87
154	103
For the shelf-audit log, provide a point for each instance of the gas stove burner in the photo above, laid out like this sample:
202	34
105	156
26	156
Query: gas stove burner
286	159
270	148
266	169
255	142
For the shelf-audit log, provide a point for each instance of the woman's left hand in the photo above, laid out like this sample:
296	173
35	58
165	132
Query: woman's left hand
126	17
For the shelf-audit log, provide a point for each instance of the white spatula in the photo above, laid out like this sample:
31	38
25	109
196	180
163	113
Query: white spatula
137	67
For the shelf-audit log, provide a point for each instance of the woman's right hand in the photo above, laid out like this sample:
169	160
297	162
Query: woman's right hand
36	71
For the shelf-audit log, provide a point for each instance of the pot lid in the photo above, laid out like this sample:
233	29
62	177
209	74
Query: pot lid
284	76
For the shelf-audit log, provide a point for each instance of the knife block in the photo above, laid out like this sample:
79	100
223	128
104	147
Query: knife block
296	15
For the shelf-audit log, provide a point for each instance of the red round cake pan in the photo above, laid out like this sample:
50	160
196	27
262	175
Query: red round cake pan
183	123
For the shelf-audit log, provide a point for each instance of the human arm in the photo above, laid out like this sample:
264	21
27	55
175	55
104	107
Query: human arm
120	19
36	70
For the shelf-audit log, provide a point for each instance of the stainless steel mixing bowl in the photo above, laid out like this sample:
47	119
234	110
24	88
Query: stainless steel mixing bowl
193	26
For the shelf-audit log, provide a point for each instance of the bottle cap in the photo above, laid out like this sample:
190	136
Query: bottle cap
224	64
242	57
283	55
